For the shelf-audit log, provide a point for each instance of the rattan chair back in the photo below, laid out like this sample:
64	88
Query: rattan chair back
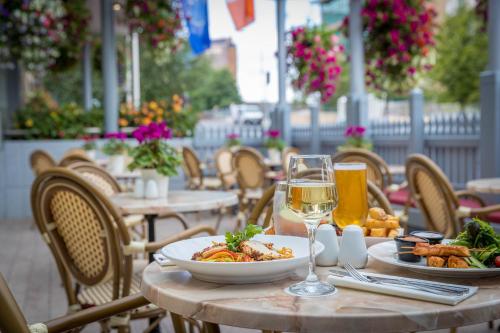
377	198
377	169
74	151
265	204
84	231
97	176
192	166
433	194
75	157
288	152
250	168
224	165
40	161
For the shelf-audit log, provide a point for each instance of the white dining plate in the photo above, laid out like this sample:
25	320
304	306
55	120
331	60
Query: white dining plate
180	253
386	252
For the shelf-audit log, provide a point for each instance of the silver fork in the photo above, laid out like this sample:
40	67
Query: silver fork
358	276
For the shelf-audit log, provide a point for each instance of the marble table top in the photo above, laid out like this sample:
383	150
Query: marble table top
177	201
267	306
486	185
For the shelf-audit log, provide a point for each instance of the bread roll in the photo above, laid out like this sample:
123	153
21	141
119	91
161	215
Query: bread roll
366	231
393	233
377	213
391	223
378	232
374	223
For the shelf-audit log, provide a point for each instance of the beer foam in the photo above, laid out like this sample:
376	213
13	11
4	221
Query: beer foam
349	166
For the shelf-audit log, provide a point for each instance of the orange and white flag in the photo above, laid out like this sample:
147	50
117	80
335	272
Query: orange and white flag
242	12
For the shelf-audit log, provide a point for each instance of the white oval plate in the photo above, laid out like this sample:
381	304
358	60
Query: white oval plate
386	252
180	253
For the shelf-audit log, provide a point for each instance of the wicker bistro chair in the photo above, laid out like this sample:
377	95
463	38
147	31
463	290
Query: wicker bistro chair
40	161
224	165
251	177
91	244
194	168
12	319
74	157
444	209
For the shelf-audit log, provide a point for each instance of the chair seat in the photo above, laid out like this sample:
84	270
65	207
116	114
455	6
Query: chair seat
209	182
102	293
493	217
400	197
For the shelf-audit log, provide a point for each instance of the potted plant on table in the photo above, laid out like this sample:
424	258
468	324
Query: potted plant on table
116	148
90	146
154	157
274	145
355	138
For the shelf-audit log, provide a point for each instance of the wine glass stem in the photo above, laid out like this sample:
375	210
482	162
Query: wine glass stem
311	234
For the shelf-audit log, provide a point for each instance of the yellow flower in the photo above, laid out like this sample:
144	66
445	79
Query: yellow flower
146	121
177	108
153	105
123	122
29	123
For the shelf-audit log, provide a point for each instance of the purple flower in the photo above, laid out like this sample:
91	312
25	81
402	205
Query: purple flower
273	133
355	131
232	136
153	131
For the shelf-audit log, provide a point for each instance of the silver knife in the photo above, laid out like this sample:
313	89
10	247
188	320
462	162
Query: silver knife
405	282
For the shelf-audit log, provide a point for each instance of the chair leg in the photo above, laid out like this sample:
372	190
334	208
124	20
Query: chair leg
453	330
210	328
178	323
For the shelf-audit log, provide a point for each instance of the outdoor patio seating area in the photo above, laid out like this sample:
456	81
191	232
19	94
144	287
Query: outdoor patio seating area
205	166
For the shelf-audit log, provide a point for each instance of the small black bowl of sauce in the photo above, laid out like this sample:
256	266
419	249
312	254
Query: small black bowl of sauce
433	237
405	245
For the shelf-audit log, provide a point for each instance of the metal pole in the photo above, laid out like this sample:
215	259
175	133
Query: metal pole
490	98
136	71
282	110
417	121
87	76
315	134
357	109
109	67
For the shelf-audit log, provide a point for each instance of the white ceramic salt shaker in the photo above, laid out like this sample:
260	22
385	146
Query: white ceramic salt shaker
327	235
151	190
139	189
353	247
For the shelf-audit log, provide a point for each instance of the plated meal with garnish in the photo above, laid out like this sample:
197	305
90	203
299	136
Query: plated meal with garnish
475	252
247	256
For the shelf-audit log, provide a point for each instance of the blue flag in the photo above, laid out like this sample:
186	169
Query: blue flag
196	14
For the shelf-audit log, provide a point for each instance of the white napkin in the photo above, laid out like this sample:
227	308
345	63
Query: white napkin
388	289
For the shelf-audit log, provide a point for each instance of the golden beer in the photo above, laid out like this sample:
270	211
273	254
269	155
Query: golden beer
352	206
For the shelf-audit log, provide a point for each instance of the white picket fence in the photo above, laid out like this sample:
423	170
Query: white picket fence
451	140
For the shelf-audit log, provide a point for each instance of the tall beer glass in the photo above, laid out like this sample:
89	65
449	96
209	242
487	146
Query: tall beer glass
350	183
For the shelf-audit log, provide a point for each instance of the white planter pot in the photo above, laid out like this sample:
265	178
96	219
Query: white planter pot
274	155
116	164
160	180
92	154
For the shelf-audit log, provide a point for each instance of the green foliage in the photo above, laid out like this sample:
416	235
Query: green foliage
233	240
43	118
115	147
165	74
275	143
156	154
461	55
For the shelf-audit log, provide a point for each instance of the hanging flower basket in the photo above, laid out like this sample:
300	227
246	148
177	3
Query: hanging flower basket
313	55
398	36
158	21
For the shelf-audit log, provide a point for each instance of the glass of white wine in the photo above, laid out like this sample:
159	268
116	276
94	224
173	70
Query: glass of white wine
311	195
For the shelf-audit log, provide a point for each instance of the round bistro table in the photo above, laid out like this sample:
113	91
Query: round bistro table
485	185
267	307
176	202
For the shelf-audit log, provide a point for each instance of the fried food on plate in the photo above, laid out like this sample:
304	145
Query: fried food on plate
433	261
457	262
377	213
440	250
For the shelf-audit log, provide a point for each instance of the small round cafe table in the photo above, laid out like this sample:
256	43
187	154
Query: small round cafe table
486	185
177	202
267	307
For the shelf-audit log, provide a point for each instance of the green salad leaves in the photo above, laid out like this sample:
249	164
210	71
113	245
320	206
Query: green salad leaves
481	237
233	240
